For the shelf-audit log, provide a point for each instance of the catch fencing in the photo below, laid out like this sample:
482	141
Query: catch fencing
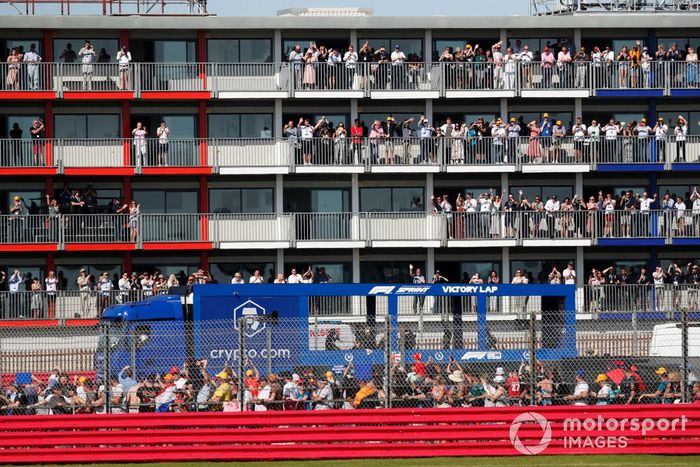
427	356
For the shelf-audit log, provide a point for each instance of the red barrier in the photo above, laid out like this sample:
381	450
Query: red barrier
344	434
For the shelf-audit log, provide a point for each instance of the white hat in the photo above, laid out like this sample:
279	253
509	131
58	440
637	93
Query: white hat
499	371
499	379
295	377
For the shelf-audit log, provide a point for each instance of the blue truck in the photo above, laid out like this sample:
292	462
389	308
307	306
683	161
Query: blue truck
276	325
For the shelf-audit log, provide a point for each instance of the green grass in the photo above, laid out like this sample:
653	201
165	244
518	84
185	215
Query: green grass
558	461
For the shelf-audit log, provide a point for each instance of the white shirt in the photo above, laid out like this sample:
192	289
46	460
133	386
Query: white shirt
642	131
680	208
162	133
350	57
123	58
237	280
525	56
87	54
680	131
294	279
256	280
551	205
611	132
14	286
604	392
645	204
51	283
291	391
31	57
263	394
661	131
569	276
580	389
485	204
696	206
124	284
307	131
579	132
398	57
326	395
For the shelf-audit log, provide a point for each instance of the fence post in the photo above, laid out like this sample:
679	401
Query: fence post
268	346
132	361
241	360
684	349
107	364
533	355
388	362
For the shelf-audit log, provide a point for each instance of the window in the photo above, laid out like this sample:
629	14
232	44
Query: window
22	45
166	51
110	47
537	271
484	268
671	119
391	199
71	272
526	117
240	125
340	273
87	126
24	121
681	42
223	272
289	44
387	272
239	50
681	190
544	191
412	48
241	200
368	118
440	44
170	201
535	44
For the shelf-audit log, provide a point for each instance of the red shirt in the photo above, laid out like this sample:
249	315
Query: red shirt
513	383
357	133
419	368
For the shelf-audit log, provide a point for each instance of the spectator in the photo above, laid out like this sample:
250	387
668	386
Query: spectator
163	133
417	278
14	60
87	54
32	59
581	391
104	285
257	277
36	133
657	396
51	282
680	132
140	150
124	61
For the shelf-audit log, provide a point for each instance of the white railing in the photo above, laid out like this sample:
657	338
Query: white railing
227	79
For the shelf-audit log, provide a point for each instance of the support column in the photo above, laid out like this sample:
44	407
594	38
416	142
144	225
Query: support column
47	52
429	110
430	264
279	261
429	188
204	260
353	39
355	194
278	122
128	262
279	193
580	271
126	132
355	265
124	38
578	108
503	37
505	265
50	262
201	46
428	47
504	108
127	195
203	133
578	184
354	114
48	132
505	182
277	46
577	39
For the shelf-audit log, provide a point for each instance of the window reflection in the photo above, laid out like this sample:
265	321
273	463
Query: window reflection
241	200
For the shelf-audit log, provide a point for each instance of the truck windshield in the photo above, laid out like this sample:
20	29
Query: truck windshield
116	333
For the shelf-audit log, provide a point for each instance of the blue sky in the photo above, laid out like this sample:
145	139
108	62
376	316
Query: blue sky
382	8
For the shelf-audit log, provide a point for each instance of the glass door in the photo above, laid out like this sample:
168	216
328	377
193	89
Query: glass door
176	221
329	222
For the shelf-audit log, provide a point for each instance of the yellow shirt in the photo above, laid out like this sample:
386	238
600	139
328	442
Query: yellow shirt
362	394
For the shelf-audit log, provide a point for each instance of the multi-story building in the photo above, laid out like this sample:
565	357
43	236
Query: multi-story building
228	190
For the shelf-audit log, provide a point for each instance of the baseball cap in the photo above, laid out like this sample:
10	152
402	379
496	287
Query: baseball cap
644	120
396	46
580	373
499	379
545	115
82	379
168	377
661	371
295	377
249	373
16	198
558	122
499	371
329	375
512	119
174	370
222	375
601	377
417	356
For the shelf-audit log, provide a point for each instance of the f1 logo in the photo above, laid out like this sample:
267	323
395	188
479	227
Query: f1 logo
382	290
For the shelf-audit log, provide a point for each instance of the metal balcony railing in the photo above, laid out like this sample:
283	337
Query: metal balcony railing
314	77
343	151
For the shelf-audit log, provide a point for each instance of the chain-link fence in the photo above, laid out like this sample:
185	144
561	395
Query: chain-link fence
437	352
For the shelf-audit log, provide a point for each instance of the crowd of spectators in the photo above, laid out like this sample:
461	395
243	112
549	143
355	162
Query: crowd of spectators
559	64
419	384
24	71
480	142
501	215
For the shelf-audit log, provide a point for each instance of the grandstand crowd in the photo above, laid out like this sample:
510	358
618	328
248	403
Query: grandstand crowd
418	385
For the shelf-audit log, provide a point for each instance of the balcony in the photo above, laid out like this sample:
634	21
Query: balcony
250	156
73	232
415	80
